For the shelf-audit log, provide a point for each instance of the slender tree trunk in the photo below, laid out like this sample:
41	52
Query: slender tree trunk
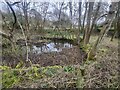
117	23
115	30
11	37
70	7
26	24
27	58
94	21
86	39
79	23
83	28
25	8
15	20
45	16
110	18
59	17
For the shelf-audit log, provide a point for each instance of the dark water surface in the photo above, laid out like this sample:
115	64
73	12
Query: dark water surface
50	47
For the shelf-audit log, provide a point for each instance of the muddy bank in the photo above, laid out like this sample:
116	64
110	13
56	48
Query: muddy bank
68	56
43	40
65	57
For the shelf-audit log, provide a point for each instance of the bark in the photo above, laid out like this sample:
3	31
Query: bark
27	58
46	9
25	8
59	17
110	18
70	8
118	21
115	29
113	36
94	20
15	19
86	39
10	37
86	4
79	23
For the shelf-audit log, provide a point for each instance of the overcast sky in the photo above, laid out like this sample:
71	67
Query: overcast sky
65	0
67	12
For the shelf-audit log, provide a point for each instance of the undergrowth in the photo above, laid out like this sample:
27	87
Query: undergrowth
12	77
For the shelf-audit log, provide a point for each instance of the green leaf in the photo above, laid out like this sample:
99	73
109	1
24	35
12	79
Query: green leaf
19	65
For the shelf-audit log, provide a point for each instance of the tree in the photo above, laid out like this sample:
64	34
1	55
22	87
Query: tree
58	12
95	15
79	22
109	19
70	10
15	19
25	7
116	23
83	25
88	25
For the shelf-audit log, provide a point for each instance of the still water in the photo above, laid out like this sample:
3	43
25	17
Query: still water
50	47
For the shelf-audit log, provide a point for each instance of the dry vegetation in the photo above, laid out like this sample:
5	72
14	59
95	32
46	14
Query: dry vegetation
60	44
103	72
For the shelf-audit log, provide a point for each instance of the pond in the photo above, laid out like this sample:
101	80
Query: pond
50	47
46	45
46	53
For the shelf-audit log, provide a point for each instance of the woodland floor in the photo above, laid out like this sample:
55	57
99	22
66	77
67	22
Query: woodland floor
68	56
103	72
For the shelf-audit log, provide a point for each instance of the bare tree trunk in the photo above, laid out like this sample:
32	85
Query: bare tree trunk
92	52
115	30
13	26
86	4
25	8
59	17
110	18
15	20
79	23
86	39
27	58
46	9
94	20
70	7
116	22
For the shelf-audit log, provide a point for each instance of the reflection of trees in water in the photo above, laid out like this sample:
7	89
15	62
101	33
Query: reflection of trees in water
39	48
58	45
49	47
44	48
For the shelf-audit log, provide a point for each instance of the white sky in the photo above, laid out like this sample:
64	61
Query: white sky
65	0
59	1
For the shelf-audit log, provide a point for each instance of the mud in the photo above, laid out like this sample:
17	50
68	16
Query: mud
68	56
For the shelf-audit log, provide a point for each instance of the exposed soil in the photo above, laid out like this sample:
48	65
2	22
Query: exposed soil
65	57
68	56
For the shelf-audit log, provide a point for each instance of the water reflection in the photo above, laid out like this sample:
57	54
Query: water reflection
50	47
